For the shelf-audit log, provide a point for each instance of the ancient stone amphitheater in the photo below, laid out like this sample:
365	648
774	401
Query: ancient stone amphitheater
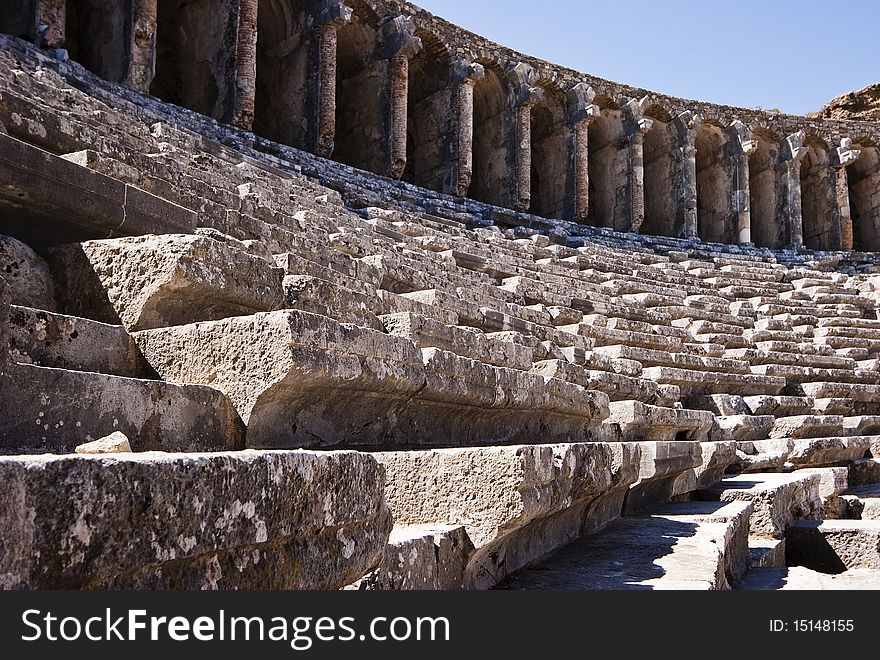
313	294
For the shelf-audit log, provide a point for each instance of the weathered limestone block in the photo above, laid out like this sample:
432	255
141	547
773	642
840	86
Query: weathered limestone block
717	458
818	452
807	426
28	276
779	406
51	200
318	296
427	333
245	520
517	504
740	428
115	443
617	386
303	380
638	422
666	470
834	546
159	281
762	455
419	558
54	410
47	339
709	382
779	499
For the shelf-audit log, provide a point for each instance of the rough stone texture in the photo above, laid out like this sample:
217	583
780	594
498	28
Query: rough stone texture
159	281
303	380
778	499
27	275
799	578
46	339
834	546
860	105
54	410
421	559
516	503
287	520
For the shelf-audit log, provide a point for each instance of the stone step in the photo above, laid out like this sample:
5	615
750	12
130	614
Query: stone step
638	422
654	358
610	337
779	498
834	546
801	359
798	578
467	342
681	545
159	281
49	339
711	382
48	410
303	380
241	520
618	387
312	294
803	374
779	406
792	453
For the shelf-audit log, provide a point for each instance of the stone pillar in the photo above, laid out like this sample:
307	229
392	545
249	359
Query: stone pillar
399	45
399	108
743	146
465	76
686	125
581	113
325	33
636	186
521	78
792	154
844	156
245	65
142	49
50	21
523	156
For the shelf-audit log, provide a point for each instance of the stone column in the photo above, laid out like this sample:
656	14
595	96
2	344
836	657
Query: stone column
581	113
637	173
792	154
142	49
399	45
523	155
325	34
245	65
687	124
743	146
399	108
50	21
844	156
465	76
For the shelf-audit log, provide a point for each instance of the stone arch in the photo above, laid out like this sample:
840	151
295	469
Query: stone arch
550	153
17	17
361	94
492	157
97	33
285	83
659	148
818	197
715	185
430	120
863	178
765	192
608	153
195	53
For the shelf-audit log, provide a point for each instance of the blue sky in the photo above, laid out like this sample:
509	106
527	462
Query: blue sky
794	55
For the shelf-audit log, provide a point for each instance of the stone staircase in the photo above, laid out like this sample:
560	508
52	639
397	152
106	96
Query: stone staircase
327	390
